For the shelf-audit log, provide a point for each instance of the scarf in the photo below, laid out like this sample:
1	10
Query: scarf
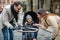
14	13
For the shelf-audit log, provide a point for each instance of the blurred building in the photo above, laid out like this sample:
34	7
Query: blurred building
7	2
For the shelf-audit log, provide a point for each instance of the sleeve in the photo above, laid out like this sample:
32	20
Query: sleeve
5	18
53	23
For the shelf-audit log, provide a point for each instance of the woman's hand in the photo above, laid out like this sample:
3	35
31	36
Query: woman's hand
35	24
38	25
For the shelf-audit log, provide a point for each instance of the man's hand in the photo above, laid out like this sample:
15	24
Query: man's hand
8	25
11	27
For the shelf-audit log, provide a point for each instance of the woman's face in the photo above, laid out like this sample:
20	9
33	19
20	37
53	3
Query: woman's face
38	15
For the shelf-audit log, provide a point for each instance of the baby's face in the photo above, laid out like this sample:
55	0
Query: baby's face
29	20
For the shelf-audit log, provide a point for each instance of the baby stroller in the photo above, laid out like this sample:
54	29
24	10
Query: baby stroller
35	19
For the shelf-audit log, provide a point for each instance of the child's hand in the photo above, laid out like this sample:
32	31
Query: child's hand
26	23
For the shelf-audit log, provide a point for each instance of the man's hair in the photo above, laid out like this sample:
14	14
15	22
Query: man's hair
17	3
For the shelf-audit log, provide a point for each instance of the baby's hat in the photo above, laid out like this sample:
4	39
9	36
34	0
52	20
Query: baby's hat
28	17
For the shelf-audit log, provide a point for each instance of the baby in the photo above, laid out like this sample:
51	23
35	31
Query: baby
29	23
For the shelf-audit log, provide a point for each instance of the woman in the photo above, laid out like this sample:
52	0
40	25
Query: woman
48	25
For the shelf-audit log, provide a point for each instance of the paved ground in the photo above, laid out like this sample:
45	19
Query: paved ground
18	36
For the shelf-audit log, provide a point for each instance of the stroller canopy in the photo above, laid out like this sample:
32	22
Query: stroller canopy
33	15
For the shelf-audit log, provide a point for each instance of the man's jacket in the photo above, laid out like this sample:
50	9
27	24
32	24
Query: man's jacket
7	16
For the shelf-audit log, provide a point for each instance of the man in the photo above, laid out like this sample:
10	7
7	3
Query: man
51	22
10	14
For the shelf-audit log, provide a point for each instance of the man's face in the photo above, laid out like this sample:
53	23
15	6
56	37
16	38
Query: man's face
17	8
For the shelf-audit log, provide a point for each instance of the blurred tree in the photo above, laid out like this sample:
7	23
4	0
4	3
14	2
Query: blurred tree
24	6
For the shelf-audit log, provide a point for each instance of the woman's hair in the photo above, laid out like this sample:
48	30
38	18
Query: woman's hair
41	11
17	3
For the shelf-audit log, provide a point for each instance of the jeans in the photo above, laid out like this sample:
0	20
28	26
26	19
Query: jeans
5	31
31	35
